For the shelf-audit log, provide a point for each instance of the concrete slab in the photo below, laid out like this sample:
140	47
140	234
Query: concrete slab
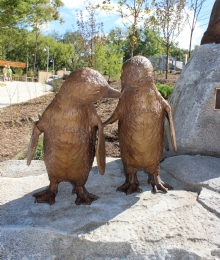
18	91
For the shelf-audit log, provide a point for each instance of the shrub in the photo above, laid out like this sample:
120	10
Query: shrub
30	73
39	153
165	90
56	84
17	72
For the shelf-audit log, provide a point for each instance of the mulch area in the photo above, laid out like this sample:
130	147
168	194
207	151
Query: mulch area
16	122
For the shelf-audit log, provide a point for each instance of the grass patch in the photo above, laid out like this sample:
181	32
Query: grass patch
39	152
56	84
165	90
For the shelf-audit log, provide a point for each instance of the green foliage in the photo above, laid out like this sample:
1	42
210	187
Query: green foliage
131	12
80	49
170	21
39	152
149	43
90	32
26	13
30	73
85	47
56	84
165	90
17	72
175	51
109	59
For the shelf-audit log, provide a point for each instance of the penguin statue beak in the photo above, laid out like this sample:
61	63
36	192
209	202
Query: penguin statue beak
112	93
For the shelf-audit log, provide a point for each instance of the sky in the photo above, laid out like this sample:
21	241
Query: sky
111	21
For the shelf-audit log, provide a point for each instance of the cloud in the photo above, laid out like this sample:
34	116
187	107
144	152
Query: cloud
184	37
65	15
73	4
79	4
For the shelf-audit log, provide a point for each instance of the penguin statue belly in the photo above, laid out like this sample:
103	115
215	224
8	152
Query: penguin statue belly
140	112
69	124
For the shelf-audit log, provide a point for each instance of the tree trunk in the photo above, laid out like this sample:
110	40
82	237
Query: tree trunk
35	51
167	59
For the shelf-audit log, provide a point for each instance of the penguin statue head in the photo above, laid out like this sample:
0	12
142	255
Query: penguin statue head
87	85
136	72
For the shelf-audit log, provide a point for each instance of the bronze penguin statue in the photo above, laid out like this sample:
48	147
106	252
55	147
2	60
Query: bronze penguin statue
69	124
212	34
140	114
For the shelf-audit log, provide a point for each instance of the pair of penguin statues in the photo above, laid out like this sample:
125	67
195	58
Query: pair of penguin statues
70	125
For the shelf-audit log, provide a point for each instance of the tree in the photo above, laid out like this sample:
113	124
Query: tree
32	13
19	46
22	48
109	59
62	54
195	7
23	12
133	12
80	48
175	51
170	21
148	43
90	32
43	12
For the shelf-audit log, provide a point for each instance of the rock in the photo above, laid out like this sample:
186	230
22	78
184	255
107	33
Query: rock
197	124
139	226
210	199
194	172
19	169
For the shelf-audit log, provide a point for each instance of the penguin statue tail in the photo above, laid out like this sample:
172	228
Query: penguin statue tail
33	143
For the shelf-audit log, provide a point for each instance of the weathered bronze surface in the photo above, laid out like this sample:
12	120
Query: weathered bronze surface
217	99
69	125
212	34
140	113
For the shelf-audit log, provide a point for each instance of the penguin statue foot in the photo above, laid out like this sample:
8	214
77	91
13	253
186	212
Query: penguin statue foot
159	185
48	195
45	196
129	188
83	196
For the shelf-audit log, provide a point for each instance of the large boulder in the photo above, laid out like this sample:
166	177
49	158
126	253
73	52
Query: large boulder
197	123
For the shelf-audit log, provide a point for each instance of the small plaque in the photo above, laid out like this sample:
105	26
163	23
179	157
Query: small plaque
217	98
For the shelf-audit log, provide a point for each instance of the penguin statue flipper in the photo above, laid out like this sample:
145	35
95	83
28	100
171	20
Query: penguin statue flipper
172	131
33	143
114	117
100	149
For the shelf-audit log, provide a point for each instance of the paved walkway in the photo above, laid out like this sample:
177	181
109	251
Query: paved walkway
18	91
